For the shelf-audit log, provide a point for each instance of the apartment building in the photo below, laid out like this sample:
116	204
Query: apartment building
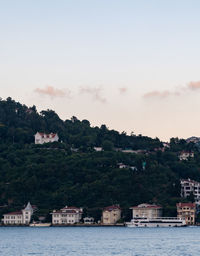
111	214
146	211
186	211
190	187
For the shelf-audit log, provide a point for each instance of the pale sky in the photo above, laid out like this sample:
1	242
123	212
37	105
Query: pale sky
132	65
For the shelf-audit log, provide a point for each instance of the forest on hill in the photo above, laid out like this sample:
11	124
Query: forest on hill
53	175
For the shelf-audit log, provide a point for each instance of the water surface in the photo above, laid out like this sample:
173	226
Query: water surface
99	241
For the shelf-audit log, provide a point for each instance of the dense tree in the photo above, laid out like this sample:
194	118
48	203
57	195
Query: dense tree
53	174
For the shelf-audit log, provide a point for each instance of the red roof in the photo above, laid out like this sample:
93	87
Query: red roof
52	135
70	209
149	206
191	205
14	213
111	208
67	211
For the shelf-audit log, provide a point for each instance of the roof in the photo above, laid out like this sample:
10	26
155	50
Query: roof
66	211
69	209
111	208
189	181
191	205
13	213
149	206
186	152
28	207
47	135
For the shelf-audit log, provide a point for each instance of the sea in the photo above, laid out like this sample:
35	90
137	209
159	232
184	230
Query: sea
99	241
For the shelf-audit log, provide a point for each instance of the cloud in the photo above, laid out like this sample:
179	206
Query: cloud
96	93
123	90
160	94
194	85
53	92
191	86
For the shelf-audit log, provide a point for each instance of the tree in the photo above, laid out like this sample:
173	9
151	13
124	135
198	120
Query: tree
107	145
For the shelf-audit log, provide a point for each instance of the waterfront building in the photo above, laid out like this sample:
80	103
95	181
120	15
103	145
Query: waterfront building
189	187
67	215
22	217
41	138
88	220
186	211
146	211
111	214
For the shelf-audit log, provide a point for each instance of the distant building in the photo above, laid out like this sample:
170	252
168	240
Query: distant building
185	155
98	149
189	187
186	211
22	217
122	166
166	145
88	220
193	139
67	215
111	214
139	151
146	211
41	138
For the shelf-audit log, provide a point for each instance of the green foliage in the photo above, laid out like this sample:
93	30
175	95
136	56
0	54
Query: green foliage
52	175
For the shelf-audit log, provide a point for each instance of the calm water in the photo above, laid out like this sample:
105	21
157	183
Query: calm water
15	241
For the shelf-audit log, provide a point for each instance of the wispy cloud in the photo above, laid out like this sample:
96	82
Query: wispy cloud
160	94
191	86
96	93
53	92
123	90
194	85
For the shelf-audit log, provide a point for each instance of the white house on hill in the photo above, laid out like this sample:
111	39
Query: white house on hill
41	138
22	217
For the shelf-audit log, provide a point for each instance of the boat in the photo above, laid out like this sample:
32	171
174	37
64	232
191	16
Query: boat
40	225
156	222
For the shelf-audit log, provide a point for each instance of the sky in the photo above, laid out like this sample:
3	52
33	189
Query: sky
132	65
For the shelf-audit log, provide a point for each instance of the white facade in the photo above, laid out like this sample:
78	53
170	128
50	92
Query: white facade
186	155
98	149
146	211
88	220
22	217
41	138
122	166
156	222
67	215
190	187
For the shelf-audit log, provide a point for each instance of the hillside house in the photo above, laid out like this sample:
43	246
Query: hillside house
98	149
189	187
41	138
185	155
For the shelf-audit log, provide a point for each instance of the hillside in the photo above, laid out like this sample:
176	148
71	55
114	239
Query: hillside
53	174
